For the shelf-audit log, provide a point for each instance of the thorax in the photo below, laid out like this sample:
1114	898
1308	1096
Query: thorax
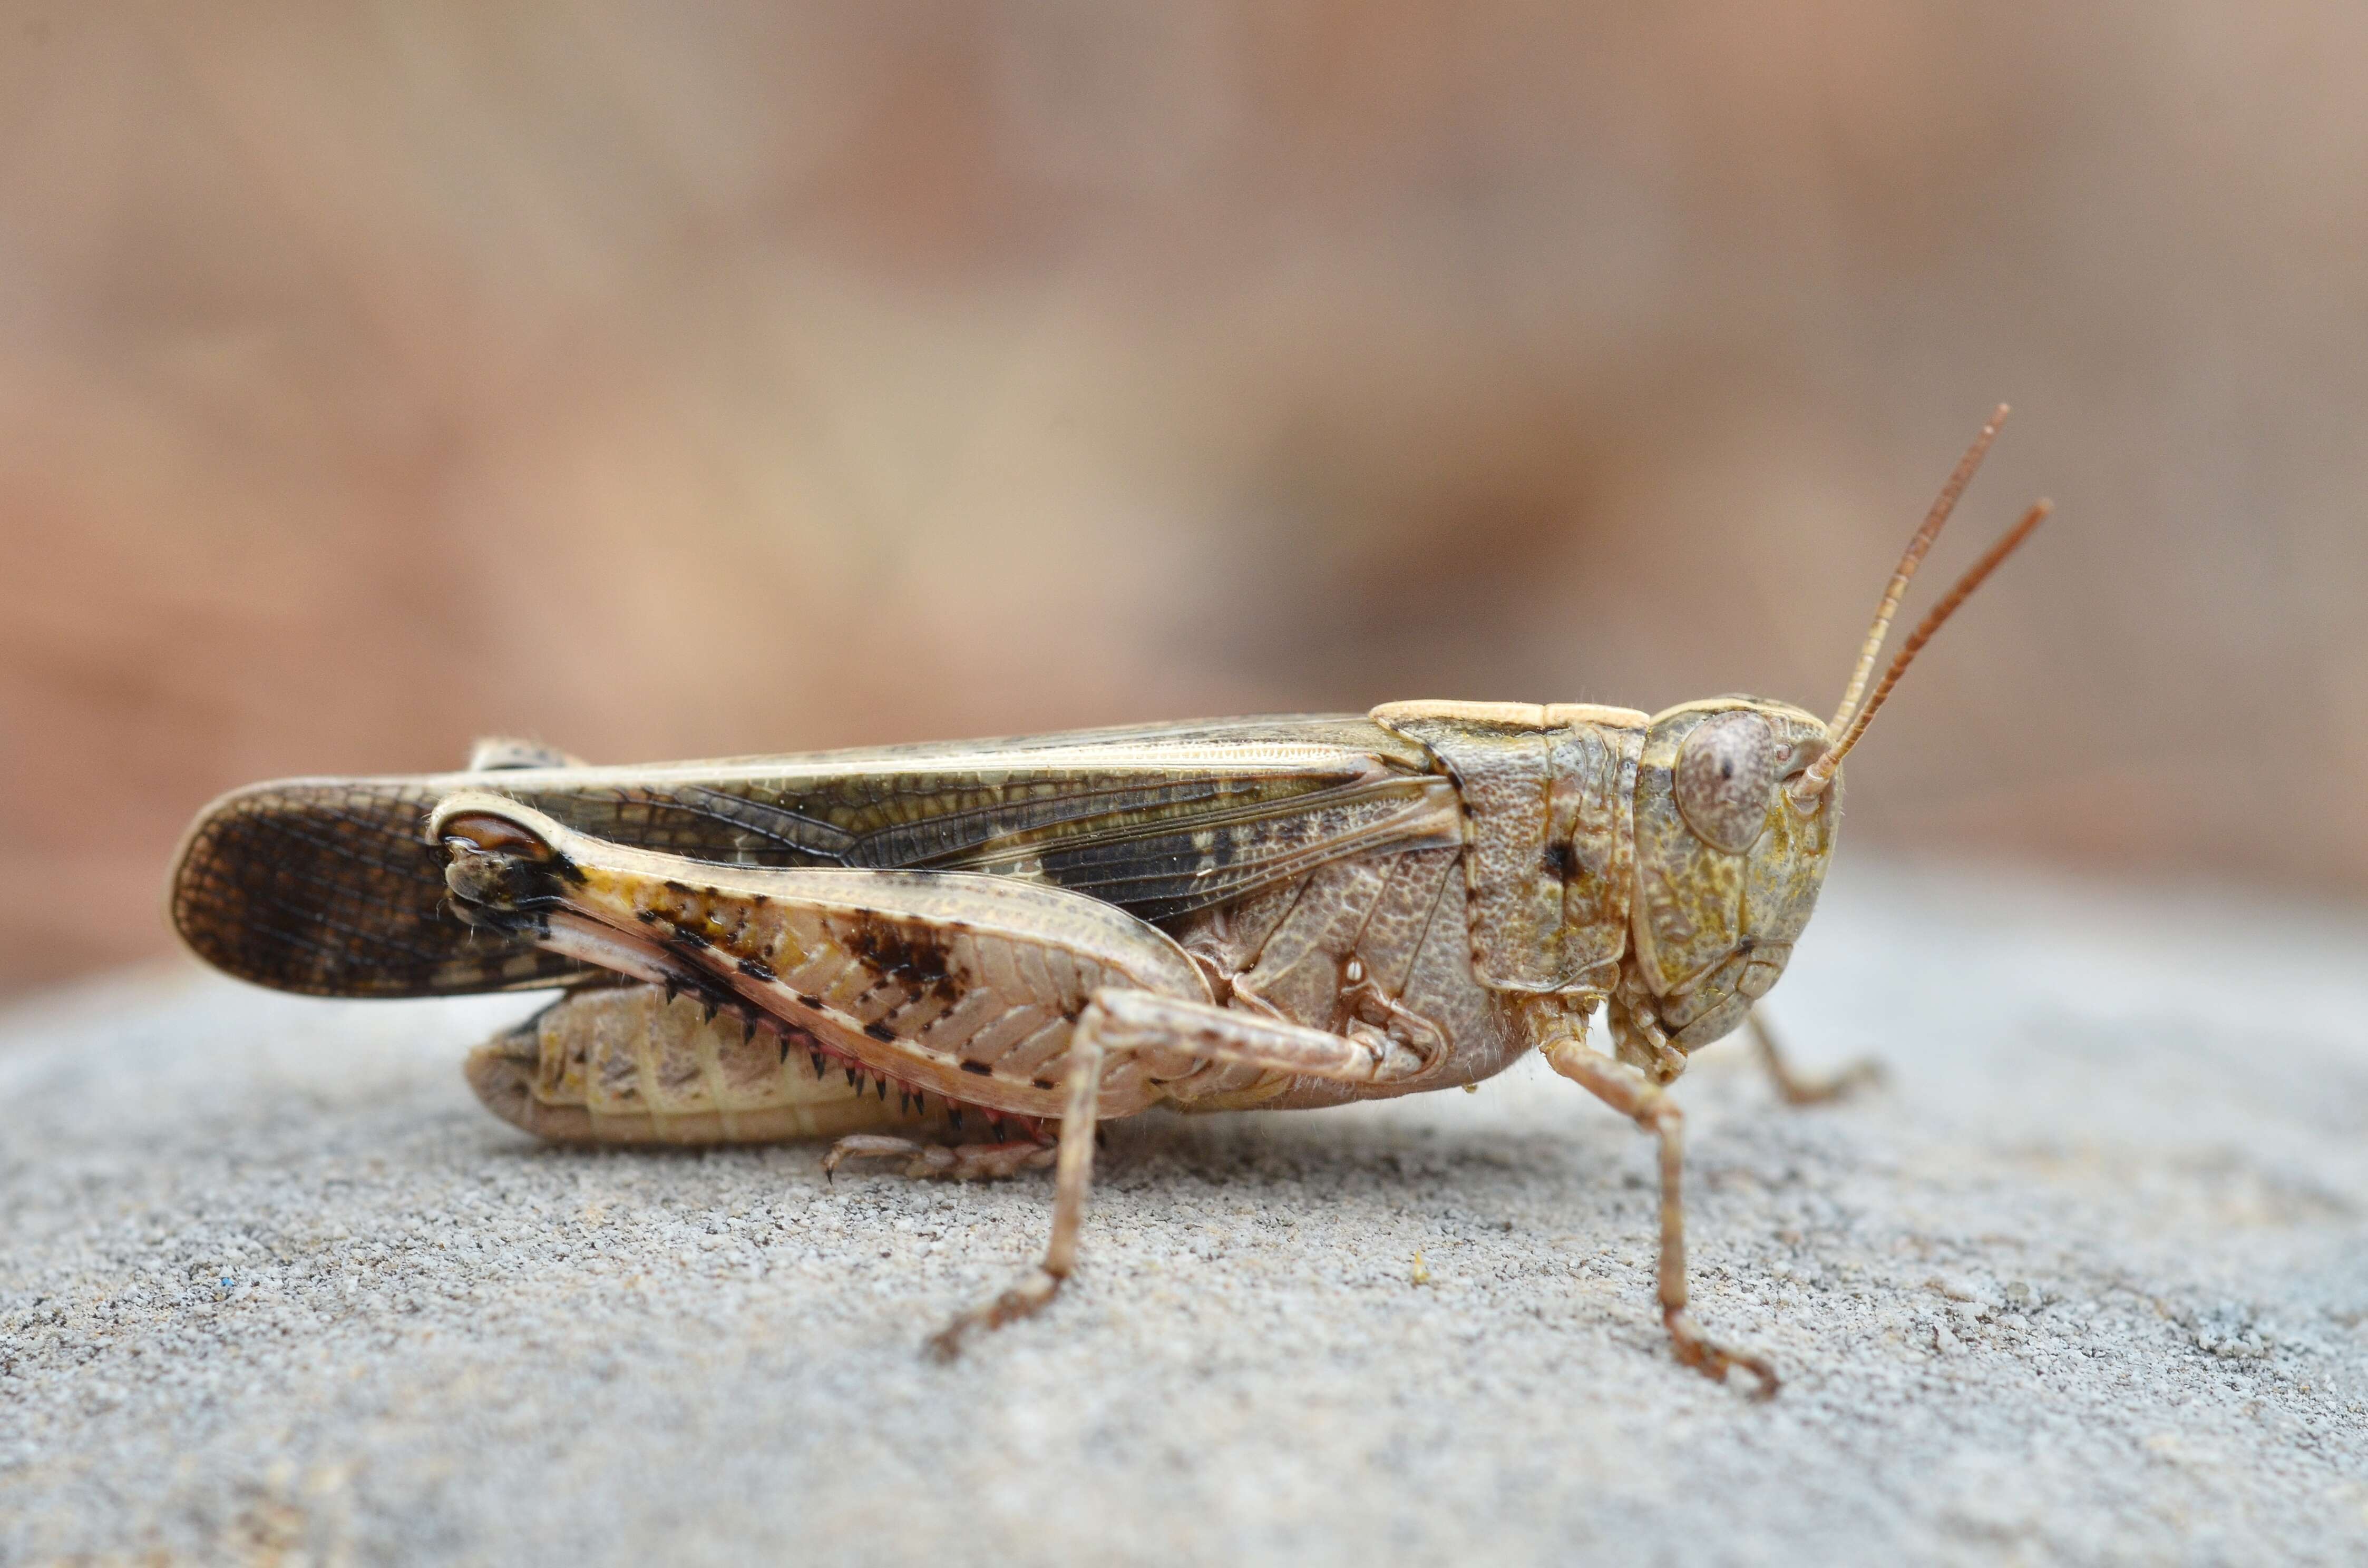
1452	950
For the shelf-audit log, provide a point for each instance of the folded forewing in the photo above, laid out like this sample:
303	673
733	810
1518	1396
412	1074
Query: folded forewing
327	885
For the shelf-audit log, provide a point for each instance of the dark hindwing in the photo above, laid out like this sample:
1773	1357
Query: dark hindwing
327	886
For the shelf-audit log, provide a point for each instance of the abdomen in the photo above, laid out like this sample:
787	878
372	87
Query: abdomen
624	1064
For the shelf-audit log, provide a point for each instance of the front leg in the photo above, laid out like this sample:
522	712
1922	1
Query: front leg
1628	1091
1795	1088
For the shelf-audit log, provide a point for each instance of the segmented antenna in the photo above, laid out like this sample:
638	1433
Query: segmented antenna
1820	774
1910	558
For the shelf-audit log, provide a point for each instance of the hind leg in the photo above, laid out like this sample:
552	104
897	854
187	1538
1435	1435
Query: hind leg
1116	1024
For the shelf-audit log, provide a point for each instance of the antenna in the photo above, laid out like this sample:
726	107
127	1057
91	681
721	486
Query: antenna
1908	560
1813	783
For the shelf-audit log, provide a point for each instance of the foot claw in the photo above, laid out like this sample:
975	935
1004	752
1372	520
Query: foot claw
1708	1357
1021	1300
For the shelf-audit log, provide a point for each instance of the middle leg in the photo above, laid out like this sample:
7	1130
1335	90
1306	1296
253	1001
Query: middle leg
950	1161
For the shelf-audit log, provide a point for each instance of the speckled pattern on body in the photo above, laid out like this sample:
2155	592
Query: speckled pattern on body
2088	1281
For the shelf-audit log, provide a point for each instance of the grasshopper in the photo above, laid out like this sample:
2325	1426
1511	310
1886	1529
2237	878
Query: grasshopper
1026	937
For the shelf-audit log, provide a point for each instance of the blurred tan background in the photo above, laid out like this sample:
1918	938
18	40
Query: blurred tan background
665	380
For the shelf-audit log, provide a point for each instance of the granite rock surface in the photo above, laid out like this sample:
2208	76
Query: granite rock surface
2085	1282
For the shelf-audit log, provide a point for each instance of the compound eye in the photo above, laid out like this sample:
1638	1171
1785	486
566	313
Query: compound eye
1726	771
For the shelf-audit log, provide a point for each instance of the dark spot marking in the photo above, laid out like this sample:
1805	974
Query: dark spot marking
757	969
646	917
690	938
673	886
981	1068
1562	859
880	1032
806	1001
910	954
1043	1084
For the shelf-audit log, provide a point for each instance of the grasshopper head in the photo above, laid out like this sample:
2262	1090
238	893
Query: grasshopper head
1738	801
1728	859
